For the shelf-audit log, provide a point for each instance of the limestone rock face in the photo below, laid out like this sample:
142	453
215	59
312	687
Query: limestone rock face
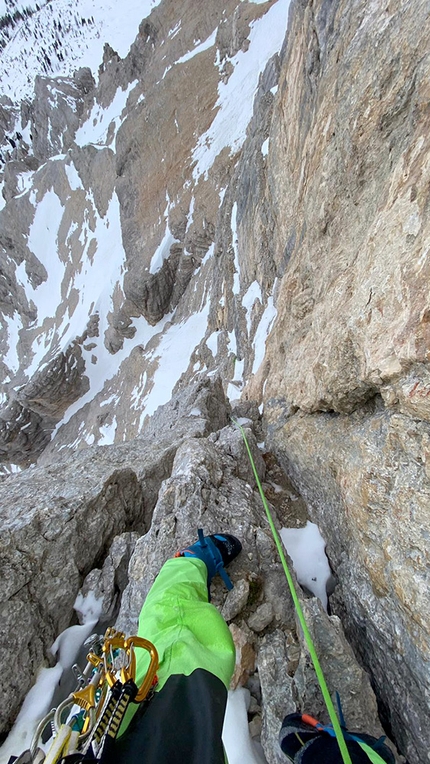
346	181
375	518
351	307
56	111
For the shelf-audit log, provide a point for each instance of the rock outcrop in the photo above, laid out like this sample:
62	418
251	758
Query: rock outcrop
194	474
346	363
56	112
58	523
376	521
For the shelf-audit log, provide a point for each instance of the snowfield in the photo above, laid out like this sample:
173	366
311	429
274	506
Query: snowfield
65	35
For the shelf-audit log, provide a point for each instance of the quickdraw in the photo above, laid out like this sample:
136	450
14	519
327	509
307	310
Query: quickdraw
86	722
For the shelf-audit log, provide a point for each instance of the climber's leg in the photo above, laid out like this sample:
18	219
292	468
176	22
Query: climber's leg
188	631
197	656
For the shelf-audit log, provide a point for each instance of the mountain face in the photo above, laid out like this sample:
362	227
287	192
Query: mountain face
222	194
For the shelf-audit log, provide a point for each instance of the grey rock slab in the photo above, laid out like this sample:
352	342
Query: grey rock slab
262	617
58	520
341	670
108	583
204	491
369	496
289	685
55	523
277	692
236	600
231	441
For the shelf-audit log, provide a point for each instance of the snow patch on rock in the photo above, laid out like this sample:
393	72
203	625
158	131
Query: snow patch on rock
306	547
233	109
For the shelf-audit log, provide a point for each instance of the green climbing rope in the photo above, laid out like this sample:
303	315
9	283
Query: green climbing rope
311	647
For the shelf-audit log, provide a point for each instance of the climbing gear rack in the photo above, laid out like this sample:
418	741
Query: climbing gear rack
87	722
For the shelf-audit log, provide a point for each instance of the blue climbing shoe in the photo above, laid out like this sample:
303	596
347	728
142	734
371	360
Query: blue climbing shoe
216	552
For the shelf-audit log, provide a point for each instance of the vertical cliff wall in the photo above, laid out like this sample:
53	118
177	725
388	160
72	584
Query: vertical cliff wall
346	379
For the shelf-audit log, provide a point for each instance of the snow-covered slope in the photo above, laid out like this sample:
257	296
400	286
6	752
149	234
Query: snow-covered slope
62	36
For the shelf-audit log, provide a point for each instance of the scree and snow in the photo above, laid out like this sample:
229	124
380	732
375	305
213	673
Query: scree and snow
264	327
235	386
43	242
199	48
95	130
93	281
35	706
13	325
236	275
60	316
239	746
173	354
107	433
67	645
162	252
306	548
252	294
265	147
